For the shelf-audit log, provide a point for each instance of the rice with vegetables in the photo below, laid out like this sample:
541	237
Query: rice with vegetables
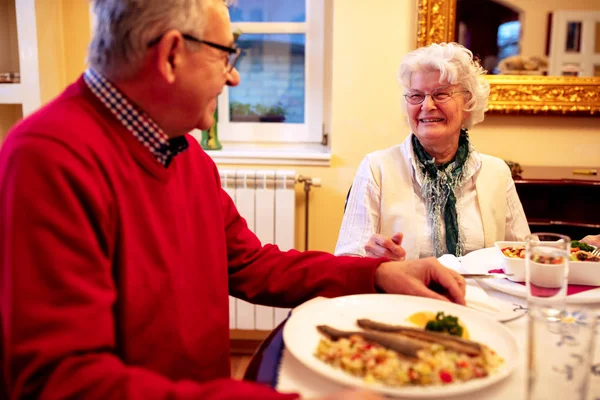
435	365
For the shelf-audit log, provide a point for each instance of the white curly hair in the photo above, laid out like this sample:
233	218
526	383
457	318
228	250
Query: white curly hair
456	65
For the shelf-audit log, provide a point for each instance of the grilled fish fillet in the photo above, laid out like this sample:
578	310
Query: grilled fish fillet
448	341
406	346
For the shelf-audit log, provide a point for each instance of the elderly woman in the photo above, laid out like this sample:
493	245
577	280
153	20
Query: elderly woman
433	194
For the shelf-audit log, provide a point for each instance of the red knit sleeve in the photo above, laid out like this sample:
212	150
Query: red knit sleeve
57	328
266	275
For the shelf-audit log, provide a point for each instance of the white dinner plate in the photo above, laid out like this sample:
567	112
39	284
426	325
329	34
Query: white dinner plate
481	261
301	337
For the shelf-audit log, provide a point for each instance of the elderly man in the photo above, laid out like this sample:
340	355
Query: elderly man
118	248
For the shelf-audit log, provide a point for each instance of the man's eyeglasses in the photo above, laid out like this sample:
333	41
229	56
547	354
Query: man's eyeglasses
234	52
438	96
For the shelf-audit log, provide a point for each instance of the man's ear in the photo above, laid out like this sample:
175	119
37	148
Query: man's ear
169	55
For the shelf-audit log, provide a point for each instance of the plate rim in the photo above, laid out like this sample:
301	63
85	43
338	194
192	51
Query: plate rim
346	380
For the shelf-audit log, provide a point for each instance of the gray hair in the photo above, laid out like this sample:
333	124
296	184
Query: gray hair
455	64
125	27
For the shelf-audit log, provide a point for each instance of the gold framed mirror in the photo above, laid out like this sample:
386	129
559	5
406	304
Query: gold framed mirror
514	94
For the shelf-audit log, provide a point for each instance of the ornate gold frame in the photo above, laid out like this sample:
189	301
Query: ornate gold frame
514	94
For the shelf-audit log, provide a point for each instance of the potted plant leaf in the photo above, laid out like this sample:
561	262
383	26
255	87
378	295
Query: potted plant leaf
242	112
274	113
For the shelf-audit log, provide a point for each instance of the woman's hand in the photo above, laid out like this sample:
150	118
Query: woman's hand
381	246
593	240
425	277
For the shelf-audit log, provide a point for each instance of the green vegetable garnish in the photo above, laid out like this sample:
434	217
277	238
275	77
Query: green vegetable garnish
445	323
581	245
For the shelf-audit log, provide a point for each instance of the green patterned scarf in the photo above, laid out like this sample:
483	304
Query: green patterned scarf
438	190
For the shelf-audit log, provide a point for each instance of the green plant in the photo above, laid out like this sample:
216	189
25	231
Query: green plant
241	109
276	110
237	34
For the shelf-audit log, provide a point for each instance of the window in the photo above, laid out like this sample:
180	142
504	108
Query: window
509	34
281	95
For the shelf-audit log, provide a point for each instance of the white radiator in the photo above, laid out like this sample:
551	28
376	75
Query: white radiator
266	199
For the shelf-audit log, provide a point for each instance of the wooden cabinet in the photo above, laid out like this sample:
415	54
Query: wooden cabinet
561	199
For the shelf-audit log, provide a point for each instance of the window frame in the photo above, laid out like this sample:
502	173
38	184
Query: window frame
312	129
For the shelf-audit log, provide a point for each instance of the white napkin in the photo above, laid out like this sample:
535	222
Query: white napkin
452	262
478	299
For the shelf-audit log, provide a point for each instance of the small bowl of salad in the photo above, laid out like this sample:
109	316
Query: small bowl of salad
584	268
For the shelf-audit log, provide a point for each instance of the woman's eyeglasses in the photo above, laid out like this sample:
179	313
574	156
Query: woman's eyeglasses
234	52
438	96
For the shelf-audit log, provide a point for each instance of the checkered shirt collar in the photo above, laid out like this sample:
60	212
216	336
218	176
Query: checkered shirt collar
136	121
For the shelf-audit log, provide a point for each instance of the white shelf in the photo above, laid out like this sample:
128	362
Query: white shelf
11	93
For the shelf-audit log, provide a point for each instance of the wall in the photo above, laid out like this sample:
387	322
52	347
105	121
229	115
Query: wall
51	41
77	28
369	41
547	141
63	31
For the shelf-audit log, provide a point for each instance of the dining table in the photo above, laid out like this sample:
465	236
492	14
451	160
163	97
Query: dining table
273	365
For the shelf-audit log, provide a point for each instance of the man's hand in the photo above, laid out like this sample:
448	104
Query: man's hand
381	246
594	240
425	277
353	395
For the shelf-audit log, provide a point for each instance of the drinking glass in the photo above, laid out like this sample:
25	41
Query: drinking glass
547	258
560	339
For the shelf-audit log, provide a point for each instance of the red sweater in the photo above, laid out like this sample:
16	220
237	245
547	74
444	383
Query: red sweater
115	272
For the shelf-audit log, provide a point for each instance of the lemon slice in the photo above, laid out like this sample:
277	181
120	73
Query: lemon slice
420	319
